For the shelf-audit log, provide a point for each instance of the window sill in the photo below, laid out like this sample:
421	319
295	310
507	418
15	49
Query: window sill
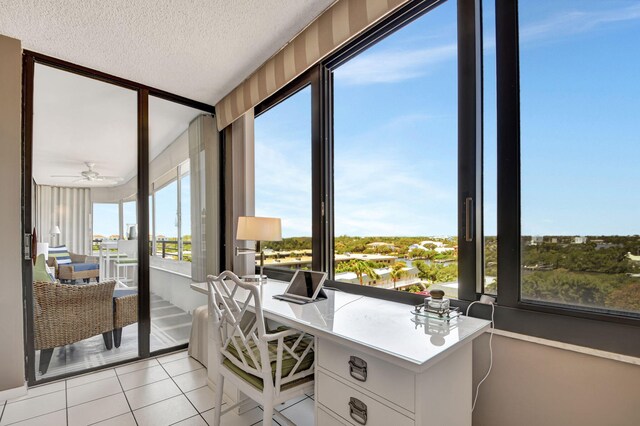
569	347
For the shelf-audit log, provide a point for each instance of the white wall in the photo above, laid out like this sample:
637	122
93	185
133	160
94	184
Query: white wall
533	384
171	280
11	324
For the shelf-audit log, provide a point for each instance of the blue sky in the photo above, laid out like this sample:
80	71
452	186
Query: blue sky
105	216
396	128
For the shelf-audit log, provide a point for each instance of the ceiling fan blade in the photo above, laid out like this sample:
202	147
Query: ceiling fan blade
113	178
65	176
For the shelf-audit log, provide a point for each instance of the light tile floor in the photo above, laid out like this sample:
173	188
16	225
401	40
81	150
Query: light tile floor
167	390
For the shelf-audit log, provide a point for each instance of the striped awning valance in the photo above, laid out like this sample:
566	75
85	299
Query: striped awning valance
340	23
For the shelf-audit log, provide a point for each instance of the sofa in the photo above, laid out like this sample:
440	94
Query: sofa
71	266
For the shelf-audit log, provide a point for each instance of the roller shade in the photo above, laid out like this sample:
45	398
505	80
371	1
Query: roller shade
336	26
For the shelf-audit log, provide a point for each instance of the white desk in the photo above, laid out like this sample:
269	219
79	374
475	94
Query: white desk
417	373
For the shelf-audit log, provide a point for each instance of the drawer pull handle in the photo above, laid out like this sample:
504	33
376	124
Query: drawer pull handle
358	368
358	411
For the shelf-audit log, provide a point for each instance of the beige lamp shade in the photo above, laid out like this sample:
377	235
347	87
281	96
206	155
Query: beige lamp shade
259	229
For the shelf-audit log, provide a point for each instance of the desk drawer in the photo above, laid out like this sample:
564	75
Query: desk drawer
391	382
326	419
354	406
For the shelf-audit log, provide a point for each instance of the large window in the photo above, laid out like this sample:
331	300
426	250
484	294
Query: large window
396	159
580	146
283	178
106	221
496	160
129	220
185	216
166	221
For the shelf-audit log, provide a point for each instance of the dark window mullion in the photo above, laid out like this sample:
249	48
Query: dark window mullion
469	152
508	138
317	220
322	130
144	311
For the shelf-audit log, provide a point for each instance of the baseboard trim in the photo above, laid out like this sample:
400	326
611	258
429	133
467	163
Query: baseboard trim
8	394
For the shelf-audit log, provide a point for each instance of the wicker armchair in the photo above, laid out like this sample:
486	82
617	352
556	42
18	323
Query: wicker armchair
125	312
65	314
82	267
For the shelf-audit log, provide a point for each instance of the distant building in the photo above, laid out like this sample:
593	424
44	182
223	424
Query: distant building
633	258
384	279
380	244
431	243
579	240
536	239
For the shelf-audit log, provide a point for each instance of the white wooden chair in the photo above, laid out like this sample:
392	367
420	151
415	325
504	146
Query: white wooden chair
268	367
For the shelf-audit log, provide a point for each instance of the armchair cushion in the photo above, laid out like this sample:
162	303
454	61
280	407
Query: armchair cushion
288	362
84	266
60	254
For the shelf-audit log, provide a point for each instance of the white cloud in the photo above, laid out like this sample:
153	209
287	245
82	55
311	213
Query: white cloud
574	22
392	65
283	183
379	190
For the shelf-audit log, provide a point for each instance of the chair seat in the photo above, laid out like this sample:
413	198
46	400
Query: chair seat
288	362
77	267
126	261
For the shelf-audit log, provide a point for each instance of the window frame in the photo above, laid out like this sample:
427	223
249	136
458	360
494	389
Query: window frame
469	159
509	182
608	332
309	79
29	60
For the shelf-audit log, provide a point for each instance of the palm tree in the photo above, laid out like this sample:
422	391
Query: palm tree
397	271
358	267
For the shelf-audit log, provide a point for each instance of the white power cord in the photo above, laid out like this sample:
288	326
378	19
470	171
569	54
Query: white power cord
493	309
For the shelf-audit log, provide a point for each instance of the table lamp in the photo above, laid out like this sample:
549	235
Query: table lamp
257	229
55	232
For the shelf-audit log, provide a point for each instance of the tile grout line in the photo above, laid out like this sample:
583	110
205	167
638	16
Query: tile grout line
66	403
31	397
125	397
182	392
197	415
90	400
34	417
295	403
4	405
116	374
83	384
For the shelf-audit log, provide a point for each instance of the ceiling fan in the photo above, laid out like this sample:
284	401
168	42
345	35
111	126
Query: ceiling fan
91	175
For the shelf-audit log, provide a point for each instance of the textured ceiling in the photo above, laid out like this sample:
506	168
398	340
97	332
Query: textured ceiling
200	49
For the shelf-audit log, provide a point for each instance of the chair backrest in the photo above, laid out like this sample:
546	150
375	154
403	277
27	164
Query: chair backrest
237	330
128	247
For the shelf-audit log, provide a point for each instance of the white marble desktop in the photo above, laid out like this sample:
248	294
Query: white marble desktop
379	327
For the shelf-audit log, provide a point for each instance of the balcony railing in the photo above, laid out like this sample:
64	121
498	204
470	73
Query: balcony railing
165	248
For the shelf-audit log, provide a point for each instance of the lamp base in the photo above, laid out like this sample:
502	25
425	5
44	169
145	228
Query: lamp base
254	279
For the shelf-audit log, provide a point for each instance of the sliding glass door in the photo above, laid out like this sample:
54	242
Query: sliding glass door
121	206
178	137
84	165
